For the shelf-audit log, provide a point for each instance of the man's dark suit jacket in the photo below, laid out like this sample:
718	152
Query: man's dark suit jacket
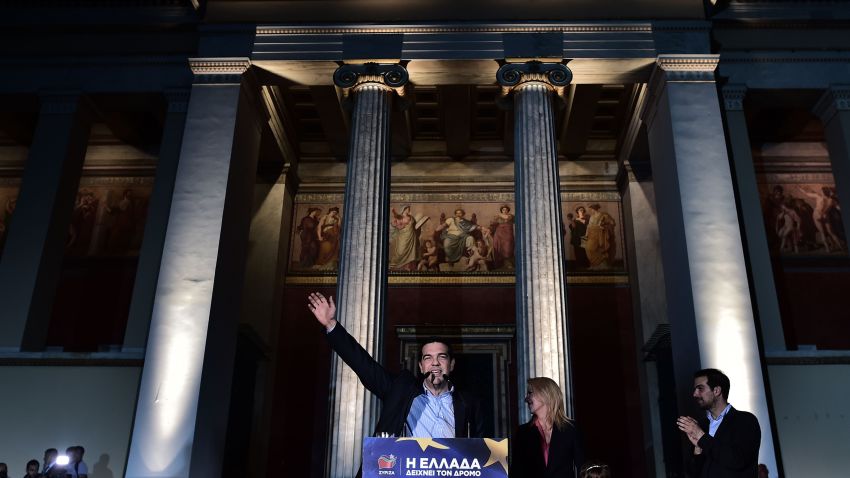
565	453
398	391
733	451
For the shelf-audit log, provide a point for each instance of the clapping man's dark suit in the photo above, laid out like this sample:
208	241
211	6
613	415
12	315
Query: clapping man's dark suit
733	450
398	391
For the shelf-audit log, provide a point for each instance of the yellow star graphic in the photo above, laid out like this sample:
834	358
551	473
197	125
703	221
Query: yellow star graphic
425	443
498	452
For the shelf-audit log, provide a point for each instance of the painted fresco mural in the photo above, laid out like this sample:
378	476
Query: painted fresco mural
109	217
593	235
426	238
802	215
434	236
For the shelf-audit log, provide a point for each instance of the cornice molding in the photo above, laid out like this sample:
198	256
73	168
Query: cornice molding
219	70
786	57
733	97
456	28
100	60
98	3
688	67
833	100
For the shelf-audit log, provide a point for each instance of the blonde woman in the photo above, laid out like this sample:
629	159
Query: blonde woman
548	445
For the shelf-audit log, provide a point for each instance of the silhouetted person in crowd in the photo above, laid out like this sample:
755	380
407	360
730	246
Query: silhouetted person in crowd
32	469
51	469
76	468
4	471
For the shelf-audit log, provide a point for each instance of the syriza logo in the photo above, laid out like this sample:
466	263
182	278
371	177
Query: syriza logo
386	463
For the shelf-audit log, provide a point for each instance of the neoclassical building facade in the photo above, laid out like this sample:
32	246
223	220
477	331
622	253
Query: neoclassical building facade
612	196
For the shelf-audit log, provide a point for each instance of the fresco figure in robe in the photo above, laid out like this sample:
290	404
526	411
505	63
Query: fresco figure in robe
578	228
81	230
456	235
405	250
123	215
599	244
328	233
503	238
308	233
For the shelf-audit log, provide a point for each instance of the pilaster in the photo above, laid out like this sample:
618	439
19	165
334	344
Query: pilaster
182	409
708	294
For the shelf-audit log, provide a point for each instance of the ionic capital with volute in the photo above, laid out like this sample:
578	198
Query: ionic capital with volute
513	76
390	76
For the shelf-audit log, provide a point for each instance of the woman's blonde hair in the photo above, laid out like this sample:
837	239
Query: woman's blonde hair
550	393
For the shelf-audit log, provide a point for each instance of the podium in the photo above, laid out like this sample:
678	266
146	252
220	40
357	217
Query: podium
403	457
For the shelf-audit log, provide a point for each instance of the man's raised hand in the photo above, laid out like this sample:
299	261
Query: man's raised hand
323	309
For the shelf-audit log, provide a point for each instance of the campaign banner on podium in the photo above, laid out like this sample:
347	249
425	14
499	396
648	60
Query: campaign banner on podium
402	457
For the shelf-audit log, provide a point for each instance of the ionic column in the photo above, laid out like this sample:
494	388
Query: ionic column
708	295
542	330
834	111
773	337
150	255
363	256
183	403
32	258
